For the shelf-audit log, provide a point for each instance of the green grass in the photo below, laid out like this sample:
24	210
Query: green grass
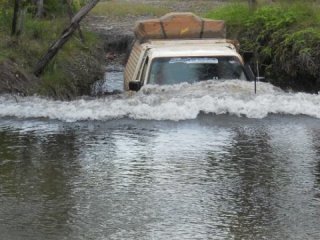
66	75
62	78
285	38
121	9
235	16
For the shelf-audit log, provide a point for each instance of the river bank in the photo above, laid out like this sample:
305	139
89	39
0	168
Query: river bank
284	37
285	44
107	33
70	73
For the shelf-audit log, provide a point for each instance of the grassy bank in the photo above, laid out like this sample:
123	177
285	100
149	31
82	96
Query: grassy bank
285	38
71	72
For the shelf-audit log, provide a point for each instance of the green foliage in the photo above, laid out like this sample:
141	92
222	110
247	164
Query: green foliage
285	38
298	56
38	28
5	16
55	6
74	68
77	4
62	79
235	15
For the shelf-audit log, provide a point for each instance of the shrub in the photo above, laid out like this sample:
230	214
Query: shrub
284	37
73	69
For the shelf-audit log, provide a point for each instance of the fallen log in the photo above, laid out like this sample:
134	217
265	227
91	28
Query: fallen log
70	13
65	36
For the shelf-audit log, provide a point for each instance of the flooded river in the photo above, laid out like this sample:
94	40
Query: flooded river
210	161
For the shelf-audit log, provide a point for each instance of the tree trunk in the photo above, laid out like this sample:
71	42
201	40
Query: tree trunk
65	36
15	17
40	9
252	4
20	23
70	13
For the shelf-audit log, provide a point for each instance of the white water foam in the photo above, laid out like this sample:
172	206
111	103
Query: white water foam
177	102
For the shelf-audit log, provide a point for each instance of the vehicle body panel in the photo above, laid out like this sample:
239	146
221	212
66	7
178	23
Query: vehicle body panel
142	54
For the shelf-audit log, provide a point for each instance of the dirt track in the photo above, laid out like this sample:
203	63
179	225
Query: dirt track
118	31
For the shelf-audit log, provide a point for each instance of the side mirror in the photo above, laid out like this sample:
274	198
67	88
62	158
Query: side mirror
135	85
247	56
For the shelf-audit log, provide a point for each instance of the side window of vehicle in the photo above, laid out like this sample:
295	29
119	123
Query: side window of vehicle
144	69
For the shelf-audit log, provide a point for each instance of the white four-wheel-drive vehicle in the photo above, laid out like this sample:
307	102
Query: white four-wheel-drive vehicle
181	47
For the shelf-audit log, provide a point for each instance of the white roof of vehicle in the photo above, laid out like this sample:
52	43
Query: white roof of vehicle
180	48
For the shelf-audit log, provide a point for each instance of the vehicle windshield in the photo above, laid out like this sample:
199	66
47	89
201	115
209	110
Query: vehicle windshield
174	70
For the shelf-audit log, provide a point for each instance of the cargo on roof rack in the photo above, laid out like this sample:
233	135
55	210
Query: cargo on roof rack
179	26
182	48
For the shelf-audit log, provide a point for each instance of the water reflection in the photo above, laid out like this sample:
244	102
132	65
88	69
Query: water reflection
154	180
35	176
316	146
217	177
252	161
294	151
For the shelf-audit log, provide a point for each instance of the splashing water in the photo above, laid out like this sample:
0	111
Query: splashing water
177	102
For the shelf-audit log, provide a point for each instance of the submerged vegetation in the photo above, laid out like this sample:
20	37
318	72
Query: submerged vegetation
285	38
72	70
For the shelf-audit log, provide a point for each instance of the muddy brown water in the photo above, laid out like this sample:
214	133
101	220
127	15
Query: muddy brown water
211	176
215	177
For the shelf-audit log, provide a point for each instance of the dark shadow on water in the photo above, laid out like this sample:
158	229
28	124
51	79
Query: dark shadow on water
252	161
222	176
316	141
35	183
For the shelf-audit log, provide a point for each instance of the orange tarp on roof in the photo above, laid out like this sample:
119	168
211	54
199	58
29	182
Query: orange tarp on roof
179	26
